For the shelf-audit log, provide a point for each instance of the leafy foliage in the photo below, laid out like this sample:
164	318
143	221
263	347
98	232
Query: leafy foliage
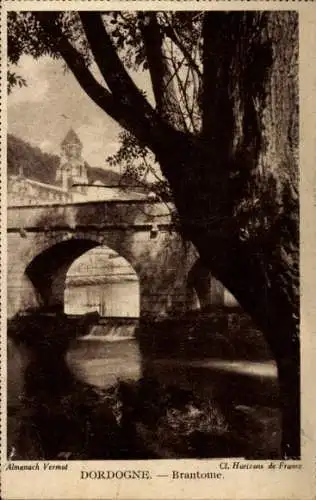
138	166
15	80
27	36
125	31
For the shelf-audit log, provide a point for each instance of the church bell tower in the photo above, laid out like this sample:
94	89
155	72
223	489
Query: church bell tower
72	172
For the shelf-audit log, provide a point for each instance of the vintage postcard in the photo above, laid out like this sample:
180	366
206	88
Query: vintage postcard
158	250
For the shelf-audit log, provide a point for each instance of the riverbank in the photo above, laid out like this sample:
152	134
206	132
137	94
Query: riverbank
140	420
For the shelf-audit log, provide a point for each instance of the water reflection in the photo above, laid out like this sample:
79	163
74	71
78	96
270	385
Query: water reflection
57	414
102	363
65	401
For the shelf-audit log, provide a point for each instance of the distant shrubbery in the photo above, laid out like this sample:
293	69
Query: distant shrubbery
219	333
31	160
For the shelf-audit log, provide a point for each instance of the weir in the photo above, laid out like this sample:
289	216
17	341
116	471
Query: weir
113	329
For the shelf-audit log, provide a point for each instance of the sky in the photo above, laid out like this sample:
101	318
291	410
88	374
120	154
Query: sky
52	102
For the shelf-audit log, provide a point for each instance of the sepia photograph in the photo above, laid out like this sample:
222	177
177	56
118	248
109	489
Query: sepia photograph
153	235
156	225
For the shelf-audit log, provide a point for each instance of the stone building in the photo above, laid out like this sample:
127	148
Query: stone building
24	192
75	181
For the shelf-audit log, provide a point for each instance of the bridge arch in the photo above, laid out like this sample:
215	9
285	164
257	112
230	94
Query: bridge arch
204	291
48	270
101	280
35	258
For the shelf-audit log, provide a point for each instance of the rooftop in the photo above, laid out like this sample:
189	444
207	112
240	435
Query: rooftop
71	138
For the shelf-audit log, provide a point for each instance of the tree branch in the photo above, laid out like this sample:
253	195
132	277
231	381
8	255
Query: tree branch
76	63
165	95
112	69
184	97
129	108
172	34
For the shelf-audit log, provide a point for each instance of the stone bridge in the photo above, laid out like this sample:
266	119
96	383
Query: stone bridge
44	240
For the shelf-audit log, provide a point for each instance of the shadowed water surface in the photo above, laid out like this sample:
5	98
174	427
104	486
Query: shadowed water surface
52	410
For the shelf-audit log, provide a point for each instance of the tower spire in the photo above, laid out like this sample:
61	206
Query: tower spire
73	170
71	145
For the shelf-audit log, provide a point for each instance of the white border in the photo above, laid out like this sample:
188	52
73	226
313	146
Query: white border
236	484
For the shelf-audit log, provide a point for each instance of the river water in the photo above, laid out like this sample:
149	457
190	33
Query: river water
101	360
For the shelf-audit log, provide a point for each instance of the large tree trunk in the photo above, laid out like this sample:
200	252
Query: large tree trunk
262	272
236	186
